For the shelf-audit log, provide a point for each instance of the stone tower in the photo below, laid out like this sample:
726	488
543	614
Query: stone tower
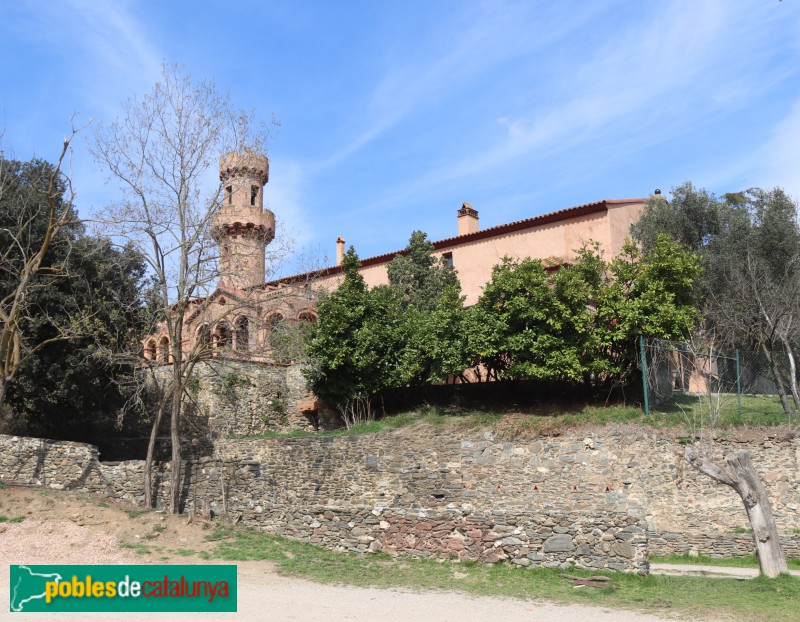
242	227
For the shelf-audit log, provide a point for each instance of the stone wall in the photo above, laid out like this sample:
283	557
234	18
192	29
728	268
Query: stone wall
596	501
233	397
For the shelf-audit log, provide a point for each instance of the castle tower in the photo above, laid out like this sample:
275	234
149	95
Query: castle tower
242	227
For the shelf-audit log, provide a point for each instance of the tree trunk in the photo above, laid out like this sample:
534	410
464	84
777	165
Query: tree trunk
148	461
175	439
792	374
776	374
740	474
3	386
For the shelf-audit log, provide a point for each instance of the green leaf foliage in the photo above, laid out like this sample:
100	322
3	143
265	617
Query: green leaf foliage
85	287
419	277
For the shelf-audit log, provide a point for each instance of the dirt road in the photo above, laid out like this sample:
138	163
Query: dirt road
66	529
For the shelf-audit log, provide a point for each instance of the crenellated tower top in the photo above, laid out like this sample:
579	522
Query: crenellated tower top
242	227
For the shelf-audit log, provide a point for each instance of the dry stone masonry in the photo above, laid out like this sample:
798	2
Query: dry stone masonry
599	501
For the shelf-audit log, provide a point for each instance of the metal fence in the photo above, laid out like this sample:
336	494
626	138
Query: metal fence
680	377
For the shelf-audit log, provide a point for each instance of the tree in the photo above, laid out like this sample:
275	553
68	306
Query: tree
162	152
749	243
581	323
430	315
420	277
691	218
348	343
68	390
650	293
737	469
38	205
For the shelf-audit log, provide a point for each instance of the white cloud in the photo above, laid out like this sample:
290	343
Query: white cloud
776	163
452	56
657	79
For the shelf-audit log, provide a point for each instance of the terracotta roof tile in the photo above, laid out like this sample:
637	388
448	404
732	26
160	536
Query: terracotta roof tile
511	227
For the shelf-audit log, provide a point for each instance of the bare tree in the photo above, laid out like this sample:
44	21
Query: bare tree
42	207
763	309
703	367
163	152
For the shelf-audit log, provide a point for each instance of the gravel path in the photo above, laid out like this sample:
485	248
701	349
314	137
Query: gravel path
265	596
77	532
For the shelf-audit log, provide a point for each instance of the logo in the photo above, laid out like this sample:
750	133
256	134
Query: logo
57	588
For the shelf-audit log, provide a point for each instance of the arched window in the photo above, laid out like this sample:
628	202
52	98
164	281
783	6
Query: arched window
274	328
242	334
223	336
163	349
307	316
273	321
150	350
204	340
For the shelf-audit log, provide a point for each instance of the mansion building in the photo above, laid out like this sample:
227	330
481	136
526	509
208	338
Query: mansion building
240	315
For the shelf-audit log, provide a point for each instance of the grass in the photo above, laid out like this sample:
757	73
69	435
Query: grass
696	597
135	513
757	410
158	529
136	547
430	415
762	410
11	519
746	561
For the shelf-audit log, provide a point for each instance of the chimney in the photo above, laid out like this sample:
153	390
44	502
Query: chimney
467	219
339	250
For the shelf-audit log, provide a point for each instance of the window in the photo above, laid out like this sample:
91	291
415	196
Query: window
229	194
242	334
204	341
448	259
223	335
150	350
253	194
163	350
273	321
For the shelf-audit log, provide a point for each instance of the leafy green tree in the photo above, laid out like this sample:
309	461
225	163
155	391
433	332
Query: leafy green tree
435	346
581	322
420	277
430	315
647	293
345	343
692	218
532	324
83	297
749	291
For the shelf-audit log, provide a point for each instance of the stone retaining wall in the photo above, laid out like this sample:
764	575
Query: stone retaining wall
233	397
429	493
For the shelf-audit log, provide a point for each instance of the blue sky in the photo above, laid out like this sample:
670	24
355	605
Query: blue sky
394	113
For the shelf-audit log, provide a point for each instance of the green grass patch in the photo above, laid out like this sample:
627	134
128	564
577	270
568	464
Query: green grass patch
761	410
136	547
185	552
757	410
694	597
429	415
746	561
11	519
3	485
135	513
158	529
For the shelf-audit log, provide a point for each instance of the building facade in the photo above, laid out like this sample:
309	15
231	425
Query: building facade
243	314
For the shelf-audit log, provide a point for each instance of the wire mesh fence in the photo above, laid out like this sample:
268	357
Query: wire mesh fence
683	378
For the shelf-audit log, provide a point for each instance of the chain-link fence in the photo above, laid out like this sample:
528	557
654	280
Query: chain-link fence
683	378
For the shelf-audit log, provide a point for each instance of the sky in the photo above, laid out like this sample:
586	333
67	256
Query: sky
394	113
